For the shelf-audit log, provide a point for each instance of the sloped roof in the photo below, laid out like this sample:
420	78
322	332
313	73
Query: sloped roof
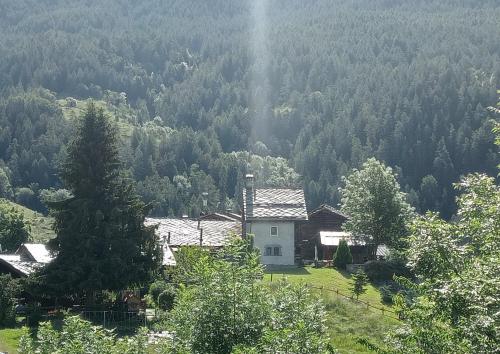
28	258
332	238
168	256
221	217
14	262
185	232
328	208
272	203
37	251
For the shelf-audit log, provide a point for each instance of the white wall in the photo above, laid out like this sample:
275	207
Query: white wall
286	239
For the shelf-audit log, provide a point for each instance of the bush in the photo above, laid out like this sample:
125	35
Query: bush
162	294
391	289
79	336
9	289
342	256
167	297
378	271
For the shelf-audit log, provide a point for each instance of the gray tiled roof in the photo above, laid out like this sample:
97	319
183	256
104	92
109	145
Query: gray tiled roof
283	204
330	209
19	266
185	232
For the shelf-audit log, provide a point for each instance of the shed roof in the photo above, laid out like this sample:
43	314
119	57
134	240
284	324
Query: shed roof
332	238
185	232
272	203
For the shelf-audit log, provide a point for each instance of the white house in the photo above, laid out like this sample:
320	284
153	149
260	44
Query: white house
270	214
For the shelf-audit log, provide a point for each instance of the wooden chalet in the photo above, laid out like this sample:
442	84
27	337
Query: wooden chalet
318	237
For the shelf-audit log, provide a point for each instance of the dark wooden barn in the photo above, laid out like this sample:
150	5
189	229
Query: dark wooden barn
323	220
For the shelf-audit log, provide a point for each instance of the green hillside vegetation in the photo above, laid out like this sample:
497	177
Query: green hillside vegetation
347	320
123	116
339	82
40	225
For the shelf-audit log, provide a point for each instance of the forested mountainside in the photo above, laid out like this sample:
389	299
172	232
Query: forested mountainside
203	91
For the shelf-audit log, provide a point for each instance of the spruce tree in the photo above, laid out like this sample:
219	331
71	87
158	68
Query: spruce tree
101	243
359	281
342	256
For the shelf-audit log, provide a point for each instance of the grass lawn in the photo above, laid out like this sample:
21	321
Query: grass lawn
9	339
347	320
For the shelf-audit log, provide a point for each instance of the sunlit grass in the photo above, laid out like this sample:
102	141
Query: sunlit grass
9	339
346	320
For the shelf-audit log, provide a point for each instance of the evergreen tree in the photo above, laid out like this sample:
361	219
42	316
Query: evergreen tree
359	281
101	241
342	256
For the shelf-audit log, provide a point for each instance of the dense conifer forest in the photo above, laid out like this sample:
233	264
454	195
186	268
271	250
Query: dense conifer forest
203	91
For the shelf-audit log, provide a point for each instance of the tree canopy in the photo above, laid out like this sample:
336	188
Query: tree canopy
365	79
101	240
378	210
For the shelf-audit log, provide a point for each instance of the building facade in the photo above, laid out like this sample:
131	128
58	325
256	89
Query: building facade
271	216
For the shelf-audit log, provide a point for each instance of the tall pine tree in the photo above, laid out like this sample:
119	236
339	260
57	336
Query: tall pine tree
101	243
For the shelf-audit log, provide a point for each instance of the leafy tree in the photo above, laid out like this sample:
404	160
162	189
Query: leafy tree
101	242
377	208
13	229
79	336
342	256
9	289
229	309
457	265
5	186
359	281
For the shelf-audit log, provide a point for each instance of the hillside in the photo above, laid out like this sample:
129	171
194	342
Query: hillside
40	225
323	85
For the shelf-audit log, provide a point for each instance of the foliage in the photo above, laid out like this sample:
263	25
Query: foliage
389	290
187	97
377	209
385	270
78	336
359	282
162	294
13	229
230	309
457	265
342	256
9	289
101	242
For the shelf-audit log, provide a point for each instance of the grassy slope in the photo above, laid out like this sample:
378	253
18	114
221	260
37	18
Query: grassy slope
346	320
9	339
122	116
41	226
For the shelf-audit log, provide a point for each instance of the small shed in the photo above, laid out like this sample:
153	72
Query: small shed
329	241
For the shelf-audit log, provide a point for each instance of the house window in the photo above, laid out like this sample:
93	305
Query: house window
272	251
274	231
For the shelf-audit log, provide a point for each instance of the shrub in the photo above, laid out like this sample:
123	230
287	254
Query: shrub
167	297
378	271
359	281
9	288
79	336
392	288
342	256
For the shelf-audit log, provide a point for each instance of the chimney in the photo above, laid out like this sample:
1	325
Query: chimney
249	190
249	201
